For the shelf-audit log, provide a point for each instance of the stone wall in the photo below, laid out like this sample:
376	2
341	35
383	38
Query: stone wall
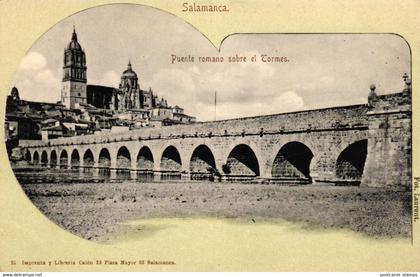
388	162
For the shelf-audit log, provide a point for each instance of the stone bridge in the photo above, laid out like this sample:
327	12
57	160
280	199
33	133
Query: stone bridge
366	144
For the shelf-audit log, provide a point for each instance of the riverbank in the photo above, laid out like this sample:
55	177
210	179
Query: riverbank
94	211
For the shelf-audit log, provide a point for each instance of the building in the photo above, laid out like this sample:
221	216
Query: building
88	108
73	87
100	96
128	98
75	90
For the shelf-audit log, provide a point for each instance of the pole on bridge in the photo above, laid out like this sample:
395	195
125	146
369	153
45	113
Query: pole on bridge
215	104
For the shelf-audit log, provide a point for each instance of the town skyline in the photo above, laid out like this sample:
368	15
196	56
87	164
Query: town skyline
325	70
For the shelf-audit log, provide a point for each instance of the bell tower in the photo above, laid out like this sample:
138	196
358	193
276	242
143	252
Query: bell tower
73	87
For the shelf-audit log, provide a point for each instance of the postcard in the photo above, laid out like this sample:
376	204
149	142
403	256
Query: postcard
209	136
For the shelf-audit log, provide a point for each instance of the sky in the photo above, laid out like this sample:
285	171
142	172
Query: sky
323	70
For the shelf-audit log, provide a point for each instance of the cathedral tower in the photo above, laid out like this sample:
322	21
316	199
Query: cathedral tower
129	97
73	88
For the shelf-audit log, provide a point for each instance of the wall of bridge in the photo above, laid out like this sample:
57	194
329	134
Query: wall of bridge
263	136
324	146
352	143
389	158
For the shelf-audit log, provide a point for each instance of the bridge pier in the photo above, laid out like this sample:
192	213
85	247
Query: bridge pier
133	174
95	172
263	180
113	173
323	177
133	169
224	178
157	176
186	176
81	170
389	160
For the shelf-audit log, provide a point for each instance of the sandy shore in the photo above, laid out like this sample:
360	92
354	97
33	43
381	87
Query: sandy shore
94	211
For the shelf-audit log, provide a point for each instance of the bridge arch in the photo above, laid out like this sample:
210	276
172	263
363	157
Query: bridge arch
75	158
35	158
104	159
53	158
123	158
88	158
292	161
351	161
242	162
202	163
171	160
27	156
44	158
145	159
64	158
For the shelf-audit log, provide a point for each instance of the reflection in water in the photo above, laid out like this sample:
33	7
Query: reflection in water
122	174
87	172
170	176
104	173
62	174
43	174
75	174
145	176
201	176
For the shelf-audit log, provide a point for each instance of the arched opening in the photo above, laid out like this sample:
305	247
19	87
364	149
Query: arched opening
104	163
123	158
242	163
27	156
75	158
88	163
64	159
123	163
35	159
145	159
202	164
145	164
351	162
44	158
171	160
171	164
292	163
104	160
53	159
88	160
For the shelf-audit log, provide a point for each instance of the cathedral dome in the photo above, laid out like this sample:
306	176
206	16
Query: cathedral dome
129	73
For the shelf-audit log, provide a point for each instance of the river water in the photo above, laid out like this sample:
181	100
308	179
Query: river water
39	174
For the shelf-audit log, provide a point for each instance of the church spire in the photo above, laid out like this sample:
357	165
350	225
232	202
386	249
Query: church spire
129	65
74	36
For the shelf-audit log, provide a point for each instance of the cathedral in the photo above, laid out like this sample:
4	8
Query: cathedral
85	108
127	97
